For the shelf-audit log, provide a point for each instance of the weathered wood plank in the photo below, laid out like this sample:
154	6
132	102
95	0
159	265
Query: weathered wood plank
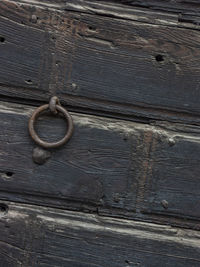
179	13
98	62
112	167
174	187
94	167
22	55
177	6
180	7
38	236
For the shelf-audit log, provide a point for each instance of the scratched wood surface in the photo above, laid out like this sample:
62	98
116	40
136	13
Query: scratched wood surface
38	236
177	6
183	13
125	190
110	166
143	68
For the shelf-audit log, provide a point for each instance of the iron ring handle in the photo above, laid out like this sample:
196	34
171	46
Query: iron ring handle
36	114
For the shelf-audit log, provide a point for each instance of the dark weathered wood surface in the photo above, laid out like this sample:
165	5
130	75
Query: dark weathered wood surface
37	236
94	167
134	60
109	166
144	65
183	13
176	6
188	8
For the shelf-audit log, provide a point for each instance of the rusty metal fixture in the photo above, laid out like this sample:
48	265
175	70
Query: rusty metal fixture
52	104
55	107
40	155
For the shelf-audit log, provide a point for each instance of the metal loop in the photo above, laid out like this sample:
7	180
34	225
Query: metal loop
52	104
36	114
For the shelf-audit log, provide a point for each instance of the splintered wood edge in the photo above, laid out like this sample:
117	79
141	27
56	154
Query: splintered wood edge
119	10
94	223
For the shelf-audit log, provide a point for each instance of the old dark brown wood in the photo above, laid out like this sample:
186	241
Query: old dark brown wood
38	236
109	166
99	61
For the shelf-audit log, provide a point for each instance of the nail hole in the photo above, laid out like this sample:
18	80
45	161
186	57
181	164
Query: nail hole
92	28
159	58
6	175
29	81
9	174
3	208
2	39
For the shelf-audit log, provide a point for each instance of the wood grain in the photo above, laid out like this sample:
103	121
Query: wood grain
110	167
180	7
38	236
93	168
145	69
177	6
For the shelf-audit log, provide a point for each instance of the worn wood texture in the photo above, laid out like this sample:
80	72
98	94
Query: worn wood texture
37	236
144	65
111	167
188	8
176	6
183	13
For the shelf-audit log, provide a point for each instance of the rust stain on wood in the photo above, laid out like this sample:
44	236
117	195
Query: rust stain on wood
146	169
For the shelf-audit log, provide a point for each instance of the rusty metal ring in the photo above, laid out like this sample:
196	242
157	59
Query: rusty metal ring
36	138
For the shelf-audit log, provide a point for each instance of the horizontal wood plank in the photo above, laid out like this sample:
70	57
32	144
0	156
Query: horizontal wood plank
112	167
176	6
182	13
180	7
175	177
94	167
38	236
99	62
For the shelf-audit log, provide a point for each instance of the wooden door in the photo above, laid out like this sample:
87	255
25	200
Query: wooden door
125	190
